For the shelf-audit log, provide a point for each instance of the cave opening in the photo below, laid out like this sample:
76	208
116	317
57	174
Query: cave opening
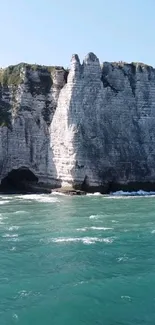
20	180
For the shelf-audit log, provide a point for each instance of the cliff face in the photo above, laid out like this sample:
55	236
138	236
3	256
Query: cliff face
28	100
93	127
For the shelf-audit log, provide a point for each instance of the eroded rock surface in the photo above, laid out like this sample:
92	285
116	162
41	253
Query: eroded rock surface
92	129
28	100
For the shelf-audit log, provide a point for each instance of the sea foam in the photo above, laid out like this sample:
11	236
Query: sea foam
4	202
84	240
38	197
58	193
12	228
93	228
133	193
94	194
94	216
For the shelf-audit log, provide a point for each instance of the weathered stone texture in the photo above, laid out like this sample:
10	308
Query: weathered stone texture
24	131
96	127
107	129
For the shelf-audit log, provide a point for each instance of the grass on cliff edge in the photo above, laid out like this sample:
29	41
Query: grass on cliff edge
12	74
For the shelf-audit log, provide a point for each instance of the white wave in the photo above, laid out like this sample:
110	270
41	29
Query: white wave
13	228
94	216
20	212
122	259
13	239
24	293
94	194
101	228
38	198
4	202
2	217
4	197
10	235
133	193
13	248
84	240
153	231
80	282
88	240
47	200
109	240
58	193
93	228
126	298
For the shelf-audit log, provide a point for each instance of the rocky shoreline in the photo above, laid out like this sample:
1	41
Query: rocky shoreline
38	188
68	191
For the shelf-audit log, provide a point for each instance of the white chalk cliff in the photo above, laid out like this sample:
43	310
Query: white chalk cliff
91	128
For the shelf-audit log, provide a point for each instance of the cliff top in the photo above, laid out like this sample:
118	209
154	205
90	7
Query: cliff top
12	74
122	63
91	57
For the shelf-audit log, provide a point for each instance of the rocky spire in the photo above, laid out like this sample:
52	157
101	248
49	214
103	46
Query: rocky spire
91	66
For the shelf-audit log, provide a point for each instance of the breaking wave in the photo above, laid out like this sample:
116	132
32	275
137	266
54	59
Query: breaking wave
13	248
20	212
13	228
84	240
10	236
4	202
94	194
134	193
122	259
93	228
121	193
94	216
58	193
38	198
126	298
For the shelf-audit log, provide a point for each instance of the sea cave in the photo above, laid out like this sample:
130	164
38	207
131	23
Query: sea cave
20	180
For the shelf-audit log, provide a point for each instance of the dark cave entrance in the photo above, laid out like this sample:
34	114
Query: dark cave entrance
20	180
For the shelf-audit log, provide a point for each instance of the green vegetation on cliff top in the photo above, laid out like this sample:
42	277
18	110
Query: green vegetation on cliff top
12	75
132	64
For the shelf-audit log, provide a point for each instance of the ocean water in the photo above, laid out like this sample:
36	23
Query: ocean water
77	260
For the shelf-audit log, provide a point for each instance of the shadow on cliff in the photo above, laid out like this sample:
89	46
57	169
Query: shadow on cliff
21	180
27	174
131	175
28	167
89	174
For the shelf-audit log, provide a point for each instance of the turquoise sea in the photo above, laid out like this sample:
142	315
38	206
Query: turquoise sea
77	260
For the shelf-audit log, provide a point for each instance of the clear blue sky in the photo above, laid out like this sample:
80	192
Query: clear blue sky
50	31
